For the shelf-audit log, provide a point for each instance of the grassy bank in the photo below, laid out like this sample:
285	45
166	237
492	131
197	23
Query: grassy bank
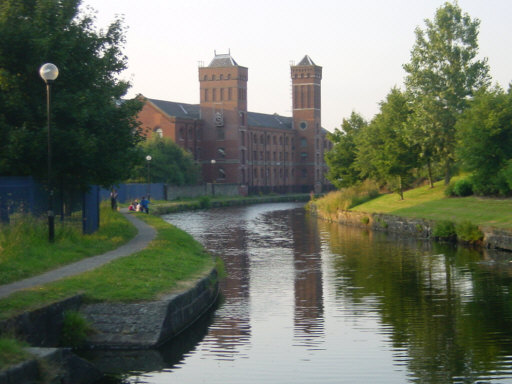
431	203
173	258
25	250
12	352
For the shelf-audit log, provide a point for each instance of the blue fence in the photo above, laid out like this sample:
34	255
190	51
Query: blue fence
20	196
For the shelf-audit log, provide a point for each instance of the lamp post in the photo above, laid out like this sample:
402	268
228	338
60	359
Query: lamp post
49	73
148	159
213	176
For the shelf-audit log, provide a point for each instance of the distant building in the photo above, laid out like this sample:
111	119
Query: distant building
260	152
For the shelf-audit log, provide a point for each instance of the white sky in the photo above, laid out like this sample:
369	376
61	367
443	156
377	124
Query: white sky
361	45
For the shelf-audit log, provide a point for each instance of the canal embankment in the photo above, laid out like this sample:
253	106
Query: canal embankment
427	213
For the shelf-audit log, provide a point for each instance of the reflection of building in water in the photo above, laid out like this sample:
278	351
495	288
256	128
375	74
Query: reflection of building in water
234	330
309	308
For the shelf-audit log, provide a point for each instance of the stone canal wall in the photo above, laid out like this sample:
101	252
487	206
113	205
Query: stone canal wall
419	228
148	324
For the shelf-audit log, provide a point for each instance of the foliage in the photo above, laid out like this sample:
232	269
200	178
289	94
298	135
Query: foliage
75	329
11	352
383	151
444	229
93	136
484	134
341	158
205	202
169	163
469	232
442	73
347	198
460	188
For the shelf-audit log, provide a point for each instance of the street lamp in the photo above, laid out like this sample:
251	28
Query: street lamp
49	73
148	158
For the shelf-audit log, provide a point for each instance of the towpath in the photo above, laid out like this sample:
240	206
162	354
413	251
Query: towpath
144	236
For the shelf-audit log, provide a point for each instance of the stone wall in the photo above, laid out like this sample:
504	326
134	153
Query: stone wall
419	228
148	324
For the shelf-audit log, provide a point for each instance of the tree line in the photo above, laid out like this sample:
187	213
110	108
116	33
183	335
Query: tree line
447	119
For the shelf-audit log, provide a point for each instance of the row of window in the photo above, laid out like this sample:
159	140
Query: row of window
223	94
221	77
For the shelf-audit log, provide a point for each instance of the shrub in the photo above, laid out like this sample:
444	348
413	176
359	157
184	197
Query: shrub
205	202
469	232
74	329
450	189
444	229
463	187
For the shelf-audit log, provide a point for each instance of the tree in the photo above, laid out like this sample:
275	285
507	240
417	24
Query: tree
170	163
94	136
341	158
484	136
383	151
443	74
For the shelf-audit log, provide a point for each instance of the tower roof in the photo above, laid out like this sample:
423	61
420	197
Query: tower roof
306	61
223	60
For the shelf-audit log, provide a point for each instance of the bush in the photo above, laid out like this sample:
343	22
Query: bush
205	202
444	229
469	232
463	187
74	329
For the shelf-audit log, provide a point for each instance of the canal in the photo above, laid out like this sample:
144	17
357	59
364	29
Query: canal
307	301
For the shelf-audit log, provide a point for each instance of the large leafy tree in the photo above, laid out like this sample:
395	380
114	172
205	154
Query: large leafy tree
169	163
341	158
383	150
94	137
443	74
484	133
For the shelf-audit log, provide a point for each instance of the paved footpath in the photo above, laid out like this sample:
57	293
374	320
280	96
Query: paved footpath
145	235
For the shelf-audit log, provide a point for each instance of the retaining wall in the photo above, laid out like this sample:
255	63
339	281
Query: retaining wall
420	228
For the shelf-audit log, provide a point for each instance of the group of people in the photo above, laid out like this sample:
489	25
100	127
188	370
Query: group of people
140	206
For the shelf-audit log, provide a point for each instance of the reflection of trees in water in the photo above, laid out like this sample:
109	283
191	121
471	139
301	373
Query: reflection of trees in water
451	314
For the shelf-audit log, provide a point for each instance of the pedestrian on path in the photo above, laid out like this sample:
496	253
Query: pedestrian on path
144	204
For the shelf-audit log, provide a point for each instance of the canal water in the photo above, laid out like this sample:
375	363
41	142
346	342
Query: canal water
307	301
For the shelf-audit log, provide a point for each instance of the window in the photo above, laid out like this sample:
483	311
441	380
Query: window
303	156
221	152
229	94
254	155
159	131
214	94
304	172
182	135
206	94
222	94
275	156
303	142
222	173
262	139
275	140
221	77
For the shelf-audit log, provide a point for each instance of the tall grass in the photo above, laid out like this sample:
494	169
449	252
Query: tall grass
347	198
11	352
25	250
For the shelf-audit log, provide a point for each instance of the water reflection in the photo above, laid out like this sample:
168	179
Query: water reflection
306	301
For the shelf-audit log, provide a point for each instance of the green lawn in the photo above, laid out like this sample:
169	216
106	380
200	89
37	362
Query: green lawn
25	250
431	203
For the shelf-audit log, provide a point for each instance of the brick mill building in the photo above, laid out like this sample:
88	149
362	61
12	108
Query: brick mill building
257	151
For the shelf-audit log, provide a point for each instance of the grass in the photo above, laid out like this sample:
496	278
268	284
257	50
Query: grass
12	352
431	203
171	259
25	250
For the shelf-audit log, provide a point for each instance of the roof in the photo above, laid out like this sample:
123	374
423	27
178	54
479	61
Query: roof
191	111
271	121
182	110
307	61
223	60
